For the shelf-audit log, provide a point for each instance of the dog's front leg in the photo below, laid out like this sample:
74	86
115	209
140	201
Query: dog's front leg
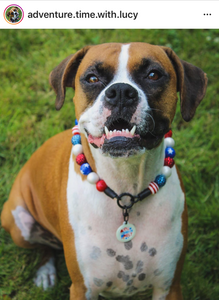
77	292
174	293
77	289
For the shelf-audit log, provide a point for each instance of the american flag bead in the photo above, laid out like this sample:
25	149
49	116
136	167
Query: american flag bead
153	187
75	130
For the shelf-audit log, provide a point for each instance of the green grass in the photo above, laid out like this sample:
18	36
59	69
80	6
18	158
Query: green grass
28	118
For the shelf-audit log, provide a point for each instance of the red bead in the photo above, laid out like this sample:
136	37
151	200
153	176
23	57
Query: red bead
80	159
168	134
101	185
169	162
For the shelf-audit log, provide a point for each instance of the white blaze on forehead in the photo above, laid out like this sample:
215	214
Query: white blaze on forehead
122	75
122	72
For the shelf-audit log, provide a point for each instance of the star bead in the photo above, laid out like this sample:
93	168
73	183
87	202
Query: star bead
170	152
85	169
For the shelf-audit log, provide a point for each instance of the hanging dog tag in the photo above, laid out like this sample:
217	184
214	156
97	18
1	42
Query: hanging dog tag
125	232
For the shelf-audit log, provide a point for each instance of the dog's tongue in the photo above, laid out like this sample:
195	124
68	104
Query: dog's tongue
98	141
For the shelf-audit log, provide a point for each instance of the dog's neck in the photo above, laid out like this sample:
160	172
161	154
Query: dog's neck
132	174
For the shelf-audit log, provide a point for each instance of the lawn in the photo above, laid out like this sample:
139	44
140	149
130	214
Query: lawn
28	118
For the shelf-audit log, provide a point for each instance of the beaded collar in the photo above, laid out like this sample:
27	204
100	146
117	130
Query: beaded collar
126	231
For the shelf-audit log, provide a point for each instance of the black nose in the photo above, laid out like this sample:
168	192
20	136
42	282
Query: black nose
121	94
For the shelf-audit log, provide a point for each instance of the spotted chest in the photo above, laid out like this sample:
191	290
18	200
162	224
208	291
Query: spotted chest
114	269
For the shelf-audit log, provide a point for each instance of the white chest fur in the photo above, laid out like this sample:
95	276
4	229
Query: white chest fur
115	269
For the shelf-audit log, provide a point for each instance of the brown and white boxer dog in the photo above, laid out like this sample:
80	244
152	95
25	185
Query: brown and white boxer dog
13	14
125	101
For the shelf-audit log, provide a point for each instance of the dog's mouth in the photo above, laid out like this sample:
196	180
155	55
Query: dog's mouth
121	138
120	129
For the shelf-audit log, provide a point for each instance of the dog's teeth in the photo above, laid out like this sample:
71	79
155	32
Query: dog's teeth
106	130
127	130
110	133
123	130
114	130
133	130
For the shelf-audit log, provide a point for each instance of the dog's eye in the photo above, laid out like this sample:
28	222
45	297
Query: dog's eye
92	79
154	75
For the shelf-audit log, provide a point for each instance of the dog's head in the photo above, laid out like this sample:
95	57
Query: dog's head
13	13
126	94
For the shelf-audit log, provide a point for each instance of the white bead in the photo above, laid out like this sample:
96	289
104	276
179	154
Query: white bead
166	171
77	149
93	177
169	142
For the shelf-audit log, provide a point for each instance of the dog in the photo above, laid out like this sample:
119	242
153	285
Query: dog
13	14
122	220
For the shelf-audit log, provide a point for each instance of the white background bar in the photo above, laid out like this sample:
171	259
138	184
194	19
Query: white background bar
149	14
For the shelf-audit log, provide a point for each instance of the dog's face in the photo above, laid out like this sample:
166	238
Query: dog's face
129	96
13	13
126	94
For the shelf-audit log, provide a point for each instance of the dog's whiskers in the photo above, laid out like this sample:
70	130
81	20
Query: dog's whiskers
156	109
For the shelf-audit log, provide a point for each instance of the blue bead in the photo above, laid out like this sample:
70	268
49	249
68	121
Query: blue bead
76	139
160	180
76	122
170	152
85	169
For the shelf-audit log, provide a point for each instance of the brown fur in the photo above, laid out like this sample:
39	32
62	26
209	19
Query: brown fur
40	187
175	292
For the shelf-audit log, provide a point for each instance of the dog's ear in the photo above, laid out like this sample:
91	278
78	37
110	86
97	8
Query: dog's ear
8	13
64	75
191	83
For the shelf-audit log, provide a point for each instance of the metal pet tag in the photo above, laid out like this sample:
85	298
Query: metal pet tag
125	232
